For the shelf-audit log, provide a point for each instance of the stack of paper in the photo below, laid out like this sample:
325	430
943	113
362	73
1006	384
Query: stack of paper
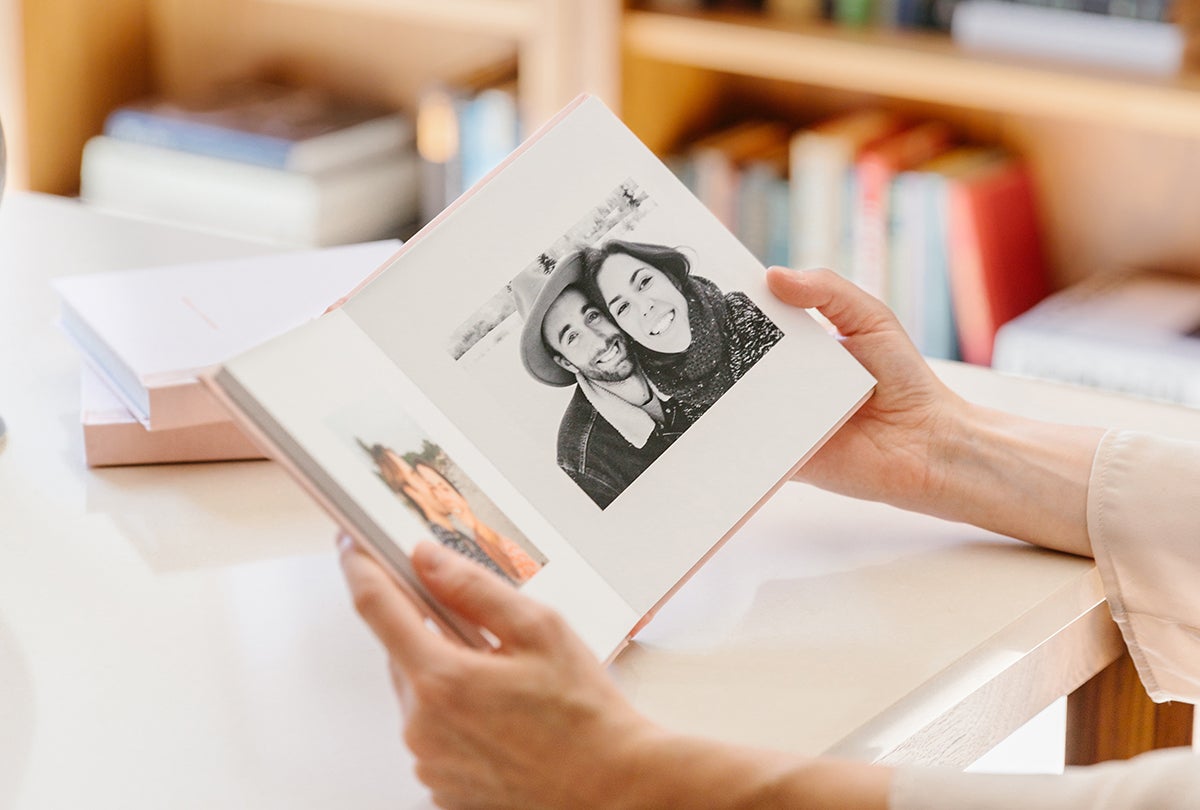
146	334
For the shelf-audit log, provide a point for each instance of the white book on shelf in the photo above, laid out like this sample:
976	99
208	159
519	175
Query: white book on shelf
150	331
1135	332
369	200
1000	26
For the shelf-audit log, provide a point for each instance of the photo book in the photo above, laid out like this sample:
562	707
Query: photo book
575	375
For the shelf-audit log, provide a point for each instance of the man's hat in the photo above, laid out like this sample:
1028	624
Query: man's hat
534	293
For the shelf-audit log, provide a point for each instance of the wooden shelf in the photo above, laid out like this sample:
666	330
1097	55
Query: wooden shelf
508	18
913	65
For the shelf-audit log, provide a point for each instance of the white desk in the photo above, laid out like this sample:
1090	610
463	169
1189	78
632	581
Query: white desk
180	636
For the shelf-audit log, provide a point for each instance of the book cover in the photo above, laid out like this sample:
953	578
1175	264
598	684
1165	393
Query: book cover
524	347
113	437
365	201
1144	46
997	265
822	184
1137	332
280	127
149	331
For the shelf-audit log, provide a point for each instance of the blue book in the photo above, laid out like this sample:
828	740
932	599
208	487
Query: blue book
266	125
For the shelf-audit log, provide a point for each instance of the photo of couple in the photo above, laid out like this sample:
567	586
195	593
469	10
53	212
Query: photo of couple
648	345
418	479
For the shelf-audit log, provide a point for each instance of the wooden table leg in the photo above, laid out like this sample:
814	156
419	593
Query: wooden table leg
1110	717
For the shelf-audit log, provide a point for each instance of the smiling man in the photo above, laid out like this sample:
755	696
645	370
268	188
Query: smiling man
616	423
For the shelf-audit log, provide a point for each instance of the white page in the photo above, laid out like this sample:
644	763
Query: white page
345	389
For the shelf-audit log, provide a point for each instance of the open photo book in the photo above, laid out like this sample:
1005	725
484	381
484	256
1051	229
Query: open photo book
574	375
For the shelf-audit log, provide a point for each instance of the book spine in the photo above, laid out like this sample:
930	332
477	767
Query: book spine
139	126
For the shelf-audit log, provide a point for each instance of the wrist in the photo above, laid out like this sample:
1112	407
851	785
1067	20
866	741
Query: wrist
672	770
1016	476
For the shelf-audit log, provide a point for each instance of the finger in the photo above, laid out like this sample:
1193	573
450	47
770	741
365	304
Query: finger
847	306
479	596
400	685
388	611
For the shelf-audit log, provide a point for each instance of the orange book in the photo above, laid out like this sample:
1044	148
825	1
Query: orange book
997	264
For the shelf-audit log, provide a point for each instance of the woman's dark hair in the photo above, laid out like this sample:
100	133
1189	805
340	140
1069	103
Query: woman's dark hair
670	261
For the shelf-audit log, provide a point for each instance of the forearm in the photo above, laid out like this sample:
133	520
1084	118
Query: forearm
1016	476
686	772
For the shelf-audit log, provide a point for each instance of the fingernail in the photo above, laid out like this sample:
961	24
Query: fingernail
344	542
432	557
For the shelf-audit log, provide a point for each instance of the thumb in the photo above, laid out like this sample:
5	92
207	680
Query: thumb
847	306
481	597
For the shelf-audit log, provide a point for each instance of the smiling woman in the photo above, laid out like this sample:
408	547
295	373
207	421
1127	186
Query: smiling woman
692	341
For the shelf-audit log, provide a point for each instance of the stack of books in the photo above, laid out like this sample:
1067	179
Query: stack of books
946	234
144	336
284	165
1133	331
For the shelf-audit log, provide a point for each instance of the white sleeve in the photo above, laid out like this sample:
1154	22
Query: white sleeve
1143	518
1159	780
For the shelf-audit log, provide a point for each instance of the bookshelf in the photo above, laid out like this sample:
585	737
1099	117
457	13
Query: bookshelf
1115	155
81	58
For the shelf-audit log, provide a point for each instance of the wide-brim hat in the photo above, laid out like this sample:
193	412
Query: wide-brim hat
533	294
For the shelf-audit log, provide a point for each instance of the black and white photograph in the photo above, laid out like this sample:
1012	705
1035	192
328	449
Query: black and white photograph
454	511
626	330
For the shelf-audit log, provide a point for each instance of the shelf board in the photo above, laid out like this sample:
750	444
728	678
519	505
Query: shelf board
913	65
502	18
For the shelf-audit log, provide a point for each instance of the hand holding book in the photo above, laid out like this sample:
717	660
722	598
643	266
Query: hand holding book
535	722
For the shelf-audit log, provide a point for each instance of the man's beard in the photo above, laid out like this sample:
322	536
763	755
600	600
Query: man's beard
619	373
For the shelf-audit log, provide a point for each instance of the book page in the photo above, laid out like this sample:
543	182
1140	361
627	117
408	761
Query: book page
394	468
639	442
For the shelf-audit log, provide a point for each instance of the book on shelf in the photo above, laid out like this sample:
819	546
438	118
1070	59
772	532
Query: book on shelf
740	173
717	161
149	331
919	249
465	127
875	168
822	162
1137	332
494	352
368	200
281	127
113	437
1068	35
996	261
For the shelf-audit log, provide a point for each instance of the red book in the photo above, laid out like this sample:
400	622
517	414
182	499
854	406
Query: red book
997	264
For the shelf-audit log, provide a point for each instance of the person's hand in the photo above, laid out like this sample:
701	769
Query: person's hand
889	450
535	723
